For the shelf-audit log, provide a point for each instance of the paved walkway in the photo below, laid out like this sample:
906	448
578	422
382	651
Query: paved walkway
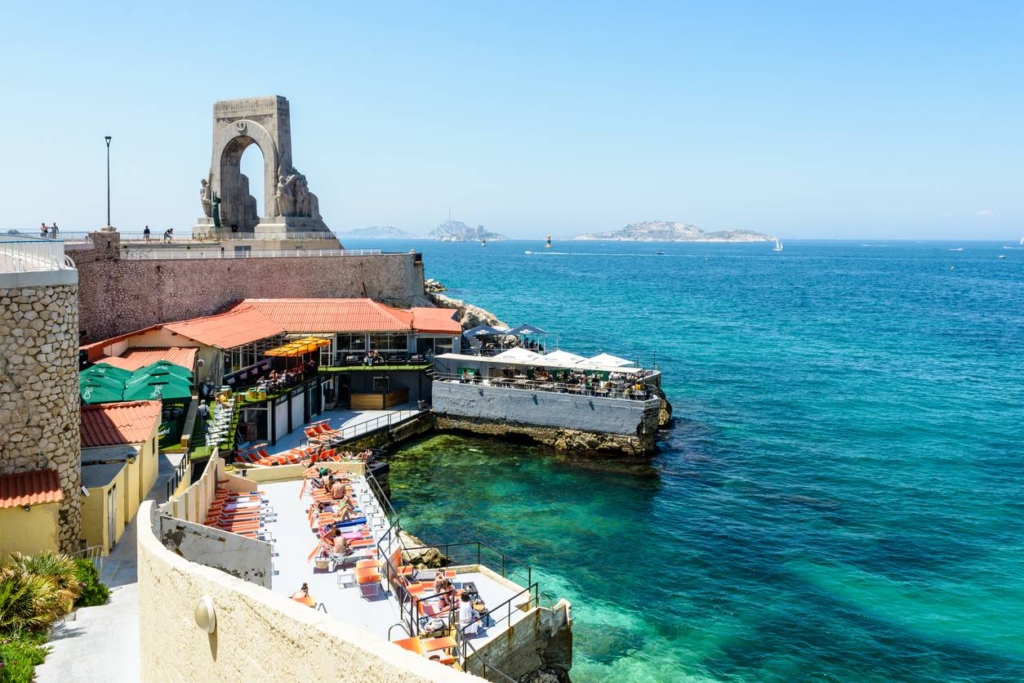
102	643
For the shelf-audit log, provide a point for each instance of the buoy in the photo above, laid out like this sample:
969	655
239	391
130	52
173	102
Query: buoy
548	245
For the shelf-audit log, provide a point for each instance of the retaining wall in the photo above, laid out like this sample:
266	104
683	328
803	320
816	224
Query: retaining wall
118	296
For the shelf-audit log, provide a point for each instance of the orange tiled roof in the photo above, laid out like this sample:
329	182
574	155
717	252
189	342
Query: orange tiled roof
30	488
110	424
347	315
437	320
133	359
238	326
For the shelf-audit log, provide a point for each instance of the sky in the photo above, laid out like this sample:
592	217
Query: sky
897	120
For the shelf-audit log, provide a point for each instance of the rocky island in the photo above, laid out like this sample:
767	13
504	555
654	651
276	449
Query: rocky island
457	231
381	232
668	231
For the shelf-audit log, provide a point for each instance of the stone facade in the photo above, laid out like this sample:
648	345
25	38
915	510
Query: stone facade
118	296
39	406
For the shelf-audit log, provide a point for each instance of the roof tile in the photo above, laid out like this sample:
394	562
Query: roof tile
30	488
110	424
133	359
238	326
350	315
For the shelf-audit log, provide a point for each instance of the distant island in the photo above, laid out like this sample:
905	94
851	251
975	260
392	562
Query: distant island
457	231
666	231
381	232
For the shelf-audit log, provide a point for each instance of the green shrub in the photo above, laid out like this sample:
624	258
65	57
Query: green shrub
26	602
19	655
59	571
93	592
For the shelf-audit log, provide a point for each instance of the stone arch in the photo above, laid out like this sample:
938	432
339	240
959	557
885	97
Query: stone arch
228	181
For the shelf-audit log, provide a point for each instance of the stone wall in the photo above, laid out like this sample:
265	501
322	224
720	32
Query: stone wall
39	407
118	296
564	421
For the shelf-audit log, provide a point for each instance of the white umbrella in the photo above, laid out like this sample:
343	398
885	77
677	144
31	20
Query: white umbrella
563	358
606	360
519	355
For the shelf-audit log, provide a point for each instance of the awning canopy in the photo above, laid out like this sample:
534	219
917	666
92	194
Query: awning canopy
299	347
106	371
97	392
162	368
526	329
156	389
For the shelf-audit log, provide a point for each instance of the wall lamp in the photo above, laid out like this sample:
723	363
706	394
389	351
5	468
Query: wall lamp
26	508
205	614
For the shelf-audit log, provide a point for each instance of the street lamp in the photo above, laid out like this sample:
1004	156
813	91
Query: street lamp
107	138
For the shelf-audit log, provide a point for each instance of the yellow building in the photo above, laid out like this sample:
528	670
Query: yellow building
120	463
29	507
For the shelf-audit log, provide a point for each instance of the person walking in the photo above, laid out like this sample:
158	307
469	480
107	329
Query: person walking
204	414
145	234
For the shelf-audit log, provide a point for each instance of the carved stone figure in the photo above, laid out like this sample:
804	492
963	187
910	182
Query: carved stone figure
302	202
206	196
284	197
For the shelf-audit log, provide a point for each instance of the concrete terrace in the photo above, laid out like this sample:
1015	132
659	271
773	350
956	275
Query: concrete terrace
336	590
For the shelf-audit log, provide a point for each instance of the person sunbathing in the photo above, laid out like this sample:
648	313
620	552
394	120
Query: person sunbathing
340	544
337	490
346	512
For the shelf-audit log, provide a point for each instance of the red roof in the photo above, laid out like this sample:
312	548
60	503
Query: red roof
350	315
30	488
241	325
437	320
111	424
133	359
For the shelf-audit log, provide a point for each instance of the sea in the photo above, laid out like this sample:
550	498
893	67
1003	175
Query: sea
840	496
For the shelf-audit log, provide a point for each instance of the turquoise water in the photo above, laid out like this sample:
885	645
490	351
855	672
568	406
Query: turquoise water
840	498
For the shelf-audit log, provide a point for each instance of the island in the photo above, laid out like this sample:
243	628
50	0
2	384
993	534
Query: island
457	231
381	232
673	231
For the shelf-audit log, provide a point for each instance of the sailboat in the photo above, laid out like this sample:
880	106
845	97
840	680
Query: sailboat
778	245
483	242
548	245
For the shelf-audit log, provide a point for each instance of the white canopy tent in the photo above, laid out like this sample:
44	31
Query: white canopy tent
518	355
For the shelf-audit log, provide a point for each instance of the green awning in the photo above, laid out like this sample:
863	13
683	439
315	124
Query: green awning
109	371
163	367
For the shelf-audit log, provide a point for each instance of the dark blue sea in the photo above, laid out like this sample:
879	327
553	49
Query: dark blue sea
840	498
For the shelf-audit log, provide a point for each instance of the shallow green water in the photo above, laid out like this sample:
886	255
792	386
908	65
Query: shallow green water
840	498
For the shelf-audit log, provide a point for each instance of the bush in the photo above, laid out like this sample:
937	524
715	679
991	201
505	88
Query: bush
93	592
59	572
19	656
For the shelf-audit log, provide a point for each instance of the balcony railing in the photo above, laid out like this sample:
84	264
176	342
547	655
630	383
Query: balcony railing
27	254
617	391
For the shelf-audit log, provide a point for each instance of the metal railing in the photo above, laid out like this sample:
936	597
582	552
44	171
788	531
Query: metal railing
478	553
363	428
157	234
28	254
546	385
203	252
178	475
465	645
92	552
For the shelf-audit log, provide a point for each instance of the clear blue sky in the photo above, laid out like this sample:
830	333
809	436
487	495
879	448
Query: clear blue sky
809	119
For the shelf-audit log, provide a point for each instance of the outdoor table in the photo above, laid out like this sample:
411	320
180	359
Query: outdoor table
445	643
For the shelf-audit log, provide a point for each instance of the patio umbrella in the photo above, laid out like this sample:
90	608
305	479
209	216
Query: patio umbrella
157	390
167	366
607	360
484	330
108	371
519	355
563	358
100	391
526	329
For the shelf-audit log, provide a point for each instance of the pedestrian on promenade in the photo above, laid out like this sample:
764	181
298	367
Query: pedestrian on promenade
204	413
42	230
168	234
54	231
145	234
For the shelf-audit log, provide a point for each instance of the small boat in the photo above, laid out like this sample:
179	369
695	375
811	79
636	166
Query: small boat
548	244
778	245
527	252
957	249
661	253
1002	256
483	242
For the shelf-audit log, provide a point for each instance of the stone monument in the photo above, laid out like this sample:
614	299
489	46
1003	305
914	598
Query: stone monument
289	206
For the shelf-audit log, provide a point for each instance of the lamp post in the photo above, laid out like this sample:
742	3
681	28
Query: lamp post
107	138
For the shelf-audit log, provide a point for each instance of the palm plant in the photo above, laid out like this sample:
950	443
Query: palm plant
20	597
59	571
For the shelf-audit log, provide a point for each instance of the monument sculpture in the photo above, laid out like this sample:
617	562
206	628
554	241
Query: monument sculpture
289	206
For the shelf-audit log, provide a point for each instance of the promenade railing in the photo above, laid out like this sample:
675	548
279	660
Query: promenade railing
28	254
156	236
206	253
525	384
